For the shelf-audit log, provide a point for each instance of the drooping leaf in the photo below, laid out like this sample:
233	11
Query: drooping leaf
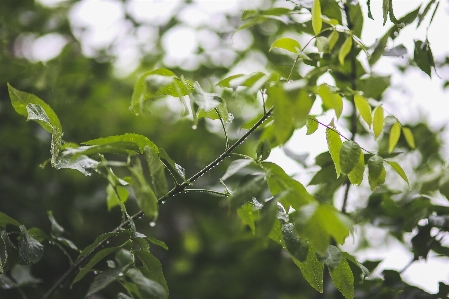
176	167
331	100
408	137
312	125
334	144
349	156
356	174
288	44
423	57
30	250
5	220
332	39
376	171
295	246
378	121
146	199
316	17
398	169
157	174
154	268
246	191
56	228
331	257
345	49
267	217
149	288
263	150
395	133
104	279
343	278
82	163
312	270
365	271
422	15
10	252
101	238
112	200
385	9
363	108
235	167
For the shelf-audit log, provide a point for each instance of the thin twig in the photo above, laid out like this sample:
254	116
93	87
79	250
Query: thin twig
176	190
207	191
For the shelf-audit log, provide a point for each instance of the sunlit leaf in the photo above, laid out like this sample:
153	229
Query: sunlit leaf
395	133
409	137
349	156
334	144
363	108
343	278
316	17
345	49
288	44
378	121
356	174
398	169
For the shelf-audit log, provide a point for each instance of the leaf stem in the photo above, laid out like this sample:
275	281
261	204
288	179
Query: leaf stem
207	191
223	126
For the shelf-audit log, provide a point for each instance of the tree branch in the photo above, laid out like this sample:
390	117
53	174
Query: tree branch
175	191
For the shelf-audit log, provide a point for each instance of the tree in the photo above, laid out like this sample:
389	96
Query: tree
195	185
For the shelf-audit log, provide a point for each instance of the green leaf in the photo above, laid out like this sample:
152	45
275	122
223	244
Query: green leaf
5	220
226	82
331	257
349	156
322	43
356	175
267	217
395	133
385	9
30	250
364	108
332	39
235	167
376	171
343	279
90	248
248	215
157	83
345	49
330	99
317	22
423	57
263	150
312	125
374	86
408	137
112	200
157	174
398	169
23	277
205	101
10	252
103	279
368	3
56	229
154	268
365	271
146	199
246	190
334	145
178	168
295	246
288	44
149	288
127	143
278	181
312	270
378	121
422	15
157	242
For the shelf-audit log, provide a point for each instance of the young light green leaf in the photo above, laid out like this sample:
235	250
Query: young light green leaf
246	191
376	171
334	144
154	268
409	137
356	175
349	156
149	288
332	39
322	43
30	250
331	257
226	82
295	246
146	199
345	49
317	22
235	167
395	133
343	279
363	107
378	121
130	142
249	215
312	125
331	100
102	280
288	44
157	174
312	270
398	169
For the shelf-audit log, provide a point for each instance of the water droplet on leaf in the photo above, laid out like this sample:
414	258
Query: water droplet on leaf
152	224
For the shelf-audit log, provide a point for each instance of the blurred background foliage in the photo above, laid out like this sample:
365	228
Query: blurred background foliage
211	254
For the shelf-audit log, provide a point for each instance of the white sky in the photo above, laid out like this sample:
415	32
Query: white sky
424	95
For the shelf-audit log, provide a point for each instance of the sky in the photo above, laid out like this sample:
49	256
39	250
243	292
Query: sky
413	95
